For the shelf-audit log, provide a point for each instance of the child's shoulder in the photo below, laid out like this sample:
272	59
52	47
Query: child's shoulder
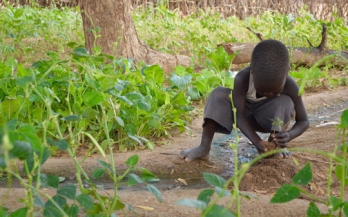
241	81
243	75
291	85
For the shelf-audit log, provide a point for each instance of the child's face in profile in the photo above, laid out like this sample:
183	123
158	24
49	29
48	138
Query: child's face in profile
269	90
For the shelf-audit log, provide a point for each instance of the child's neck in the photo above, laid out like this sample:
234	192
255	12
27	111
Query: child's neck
258	96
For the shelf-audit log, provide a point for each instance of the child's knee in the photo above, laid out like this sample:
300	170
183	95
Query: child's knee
285	100
220	92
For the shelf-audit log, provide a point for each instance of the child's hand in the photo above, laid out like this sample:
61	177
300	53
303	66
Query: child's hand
281	139
261	147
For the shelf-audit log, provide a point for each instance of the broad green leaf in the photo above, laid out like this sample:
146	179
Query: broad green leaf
344	119
155	192
135	138
89	113
49	180
214	180
104	164
60	201
198	204
119	205
342	174
180	82
335	202
200	86
22	212
71	44
21	82
85	201
71	118
10	106
120	121
229	83
147	176
193	93
92	98
205	195
11	124
313	210
222	192
345	209
285	194
143	105
133	179
220	59
18	13
38	202
132	161
98	172
62	144
81	52
179	99
220	211
304	176
52	181
33	139
68	191
124	99
3	211
155	72
135	96
72	211
51	211
214	81
20	150
45	155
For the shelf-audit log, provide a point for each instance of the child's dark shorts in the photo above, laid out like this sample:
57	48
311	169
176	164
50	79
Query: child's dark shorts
273	114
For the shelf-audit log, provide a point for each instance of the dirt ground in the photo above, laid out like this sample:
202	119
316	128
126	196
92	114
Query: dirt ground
262	180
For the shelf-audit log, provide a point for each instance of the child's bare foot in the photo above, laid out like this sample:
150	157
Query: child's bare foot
194	153
284	154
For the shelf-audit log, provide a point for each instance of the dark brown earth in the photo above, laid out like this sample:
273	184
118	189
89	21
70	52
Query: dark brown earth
262	179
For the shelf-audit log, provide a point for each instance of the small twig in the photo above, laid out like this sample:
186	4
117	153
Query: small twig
338	111
258	35
310	44
322	45
207	165
308	158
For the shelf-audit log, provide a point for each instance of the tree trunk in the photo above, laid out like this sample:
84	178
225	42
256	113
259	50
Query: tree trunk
118	36
299	55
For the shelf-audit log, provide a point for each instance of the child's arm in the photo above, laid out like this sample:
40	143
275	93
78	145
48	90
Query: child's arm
241	83
302	122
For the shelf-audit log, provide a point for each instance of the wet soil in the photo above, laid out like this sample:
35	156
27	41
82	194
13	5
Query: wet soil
262	179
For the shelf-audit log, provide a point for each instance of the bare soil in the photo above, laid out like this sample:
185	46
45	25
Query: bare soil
262	179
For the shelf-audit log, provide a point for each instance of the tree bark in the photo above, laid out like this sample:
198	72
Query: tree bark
118	36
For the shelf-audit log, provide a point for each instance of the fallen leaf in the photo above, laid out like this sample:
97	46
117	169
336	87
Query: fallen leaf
261	192
145	207
320	175
295	161
182	181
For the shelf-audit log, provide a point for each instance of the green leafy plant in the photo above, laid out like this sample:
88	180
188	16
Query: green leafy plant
337	206
19	142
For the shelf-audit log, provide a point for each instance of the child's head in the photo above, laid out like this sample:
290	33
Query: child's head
270	65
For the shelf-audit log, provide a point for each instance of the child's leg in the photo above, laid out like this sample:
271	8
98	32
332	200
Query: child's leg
217	118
